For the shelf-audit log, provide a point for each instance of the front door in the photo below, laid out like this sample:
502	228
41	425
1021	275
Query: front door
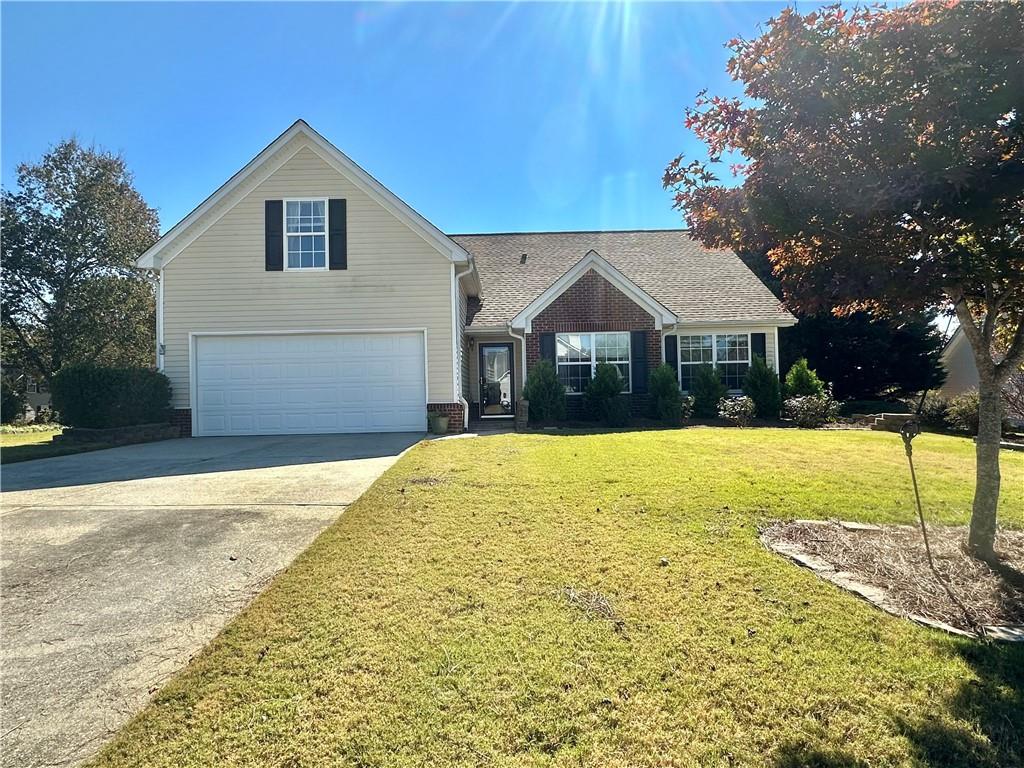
497	395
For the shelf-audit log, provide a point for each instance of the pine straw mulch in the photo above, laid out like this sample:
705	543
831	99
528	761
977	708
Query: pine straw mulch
889	562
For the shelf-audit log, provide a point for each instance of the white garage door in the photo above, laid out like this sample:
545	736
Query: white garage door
310	383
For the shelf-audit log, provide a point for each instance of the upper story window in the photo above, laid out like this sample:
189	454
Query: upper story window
578	354
305	226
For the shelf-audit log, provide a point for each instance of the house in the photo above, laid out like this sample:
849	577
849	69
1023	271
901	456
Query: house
958	361
303	296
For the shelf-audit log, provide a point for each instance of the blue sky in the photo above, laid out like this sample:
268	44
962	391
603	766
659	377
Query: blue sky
484	117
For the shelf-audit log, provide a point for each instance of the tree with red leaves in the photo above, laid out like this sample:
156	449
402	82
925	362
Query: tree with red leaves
883	169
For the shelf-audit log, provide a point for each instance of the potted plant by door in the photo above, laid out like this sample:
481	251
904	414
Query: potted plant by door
438	422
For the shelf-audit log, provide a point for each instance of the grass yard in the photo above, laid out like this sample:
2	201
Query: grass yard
23	446
432	624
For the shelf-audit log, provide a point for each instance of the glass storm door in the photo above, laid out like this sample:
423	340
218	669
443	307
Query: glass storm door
497	397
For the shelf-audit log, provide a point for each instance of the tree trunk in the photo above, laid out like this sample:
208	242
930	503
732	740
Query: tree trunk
986	489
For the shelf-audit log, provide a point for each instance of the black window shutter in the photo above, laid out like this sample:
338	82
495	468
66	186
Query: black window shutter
758	345
638	359
672	353
547	347
274	228
337	234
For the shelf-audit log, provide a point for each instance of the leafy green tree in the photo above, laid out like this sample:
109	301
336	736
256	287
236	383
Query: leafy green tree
545	393
881	168
801	381
761	385
70	234
707	391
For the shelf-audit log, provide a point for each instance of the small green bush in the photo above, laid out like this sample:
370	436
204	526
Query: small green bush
738	410
603	396
707	392
97	397
962	412
666	399
811	412
12	400
545	393
761	384
801	381
935	412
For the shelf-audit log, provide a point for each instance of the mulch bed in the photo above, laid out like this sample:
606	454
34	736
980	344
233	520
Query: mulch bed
888	566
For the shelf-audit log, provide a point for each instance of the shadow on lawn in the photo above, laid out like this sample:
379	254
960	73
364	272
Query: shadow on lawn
990	706
993	703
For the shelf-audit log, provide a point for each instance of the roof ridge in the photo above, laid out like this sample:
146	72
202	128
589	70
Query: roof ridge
567	232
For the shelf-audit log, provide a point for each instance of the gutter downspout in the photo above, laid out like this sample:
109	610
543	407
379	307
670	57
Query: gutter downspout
460	339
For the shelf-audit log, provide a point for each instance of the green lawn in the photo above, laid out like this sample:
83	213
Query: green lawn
22	446
430	625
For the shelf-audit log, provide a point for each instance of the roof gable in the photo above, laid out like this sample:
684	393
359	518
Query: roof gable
298	137
593	261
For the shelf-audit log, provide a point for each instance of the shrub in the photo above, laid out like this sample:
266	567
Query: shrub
811	412
12	400
604	399
850	407
934	411
94	396
666	399
738	410
545	393
761	384
801	381
707	391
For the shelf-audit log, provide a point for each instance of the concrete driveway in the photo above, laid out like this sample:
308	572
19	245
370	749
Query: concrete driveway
117	566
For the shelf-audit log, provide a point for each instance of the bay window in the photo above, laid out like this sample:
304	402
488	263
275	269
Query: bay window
577	356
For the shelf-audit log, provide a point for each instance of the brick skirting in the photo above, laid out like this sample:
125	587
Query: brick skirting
454	413
182	419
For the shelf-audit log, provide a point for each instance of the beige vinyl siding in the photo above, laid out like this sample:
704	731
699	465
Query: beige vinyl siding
395	279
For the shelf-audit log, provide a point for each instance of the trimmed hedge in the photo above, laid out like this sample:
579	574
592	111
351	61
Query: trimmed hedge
545	393
604	399
707	391
666	402
98	397
761	384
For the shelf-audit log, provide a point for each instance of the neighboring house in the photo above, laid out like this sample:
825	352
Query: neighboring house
958	360
303	296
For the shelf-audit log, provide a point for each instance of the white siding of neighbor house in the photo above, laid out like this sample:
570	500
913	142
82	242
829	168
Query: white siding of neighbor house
395	279
767	330
961	370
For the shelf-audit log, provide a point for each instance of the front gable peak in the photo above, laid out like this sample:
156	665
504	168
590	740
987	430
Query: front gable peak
299	136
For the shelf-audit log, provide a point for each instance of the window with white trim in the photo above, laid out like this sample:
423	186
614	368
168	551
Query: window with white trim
577	356
728	352
305	226
694	351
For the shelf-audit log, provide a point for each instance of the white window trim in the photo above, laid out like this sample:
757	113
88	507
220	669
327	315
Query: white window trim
714	352
593	363
327	229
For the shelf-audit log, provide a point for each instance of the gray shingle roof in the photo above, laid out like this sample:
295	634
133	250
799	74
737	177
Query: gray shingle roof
696	284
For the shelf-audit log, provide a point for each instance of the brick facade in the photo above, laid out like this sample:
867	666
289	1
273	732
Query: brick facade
454	413
592	304
182	419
